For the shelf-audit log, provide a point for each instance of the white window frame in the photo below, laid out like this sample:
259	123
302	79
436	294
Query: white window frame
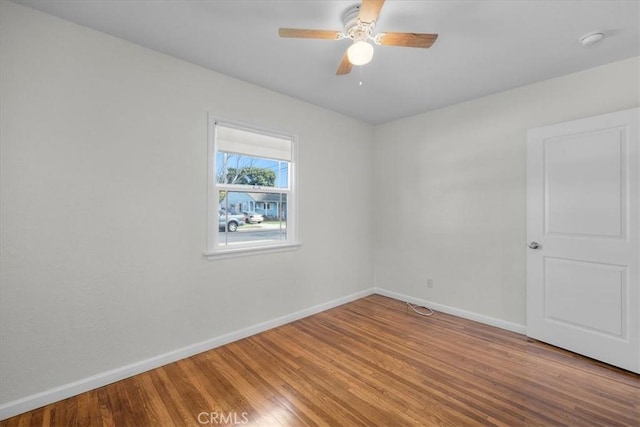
214	249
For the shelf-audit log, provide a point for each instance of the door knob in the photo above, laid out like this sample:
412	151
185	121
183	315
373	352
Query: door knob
534	245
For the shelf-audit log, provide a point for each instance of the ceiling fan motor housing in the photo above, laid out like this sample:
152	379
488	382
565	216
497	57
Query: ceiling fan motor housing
353	28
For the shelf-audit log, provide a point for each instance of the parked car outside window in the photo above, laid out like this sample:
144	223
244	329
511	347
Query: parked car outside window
230	221
253	217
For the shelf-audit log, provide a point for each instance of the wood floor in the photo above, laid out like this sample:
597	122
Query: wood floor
370	362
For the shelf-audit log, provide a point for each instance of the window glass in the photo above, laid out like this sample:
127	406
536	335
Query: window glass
242	169
264	216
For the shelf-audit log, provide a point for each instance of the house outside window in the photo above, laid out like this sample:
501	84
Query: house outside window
251	173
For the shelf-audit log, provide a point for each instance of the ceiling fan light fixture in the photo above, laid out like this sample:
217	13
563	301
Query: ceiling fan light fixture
360	53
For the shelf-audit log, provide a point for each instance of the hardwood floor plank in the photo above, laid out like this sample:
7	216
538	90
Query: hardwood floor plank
182	410
59	414
278	377
334	390
89	409
106	411
362	368
389	395
155	409
367	363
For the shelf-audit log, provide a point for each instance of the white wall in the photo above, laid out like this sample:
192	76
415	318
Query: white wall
450	190
104	185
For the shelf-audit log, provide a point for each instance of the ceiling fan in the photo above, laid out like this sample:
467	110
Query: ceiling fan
359	22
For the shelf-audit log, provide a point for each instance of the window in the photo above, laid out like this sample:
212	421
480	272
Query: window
252	199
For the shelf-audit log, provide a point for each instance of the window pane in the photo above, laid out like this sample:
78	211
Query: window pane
251	218
242	169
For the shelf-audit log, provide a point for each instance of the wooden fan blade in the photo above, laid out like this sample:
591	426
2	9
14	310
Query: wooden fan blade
298	33
345	66
407	39
369	10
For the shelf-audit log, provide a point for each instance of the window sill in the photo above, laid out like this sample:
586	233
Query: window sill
240	252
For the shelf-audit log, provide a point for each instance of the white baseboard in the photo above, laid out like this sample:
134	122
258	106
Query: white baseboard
503	324
56	394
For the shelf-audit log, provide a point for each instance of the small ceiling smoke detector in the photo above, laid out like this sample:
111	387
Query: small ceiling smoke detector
591	39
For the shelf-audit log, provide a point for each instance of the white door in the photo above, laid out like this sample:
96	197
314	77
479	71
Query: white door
583	233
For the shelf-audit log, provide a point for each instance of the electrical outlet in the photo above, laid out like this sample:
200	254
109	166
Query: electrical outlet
429	282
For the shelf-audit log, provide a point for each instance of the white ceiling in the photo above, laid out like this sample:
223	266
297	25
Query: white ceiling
484	47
